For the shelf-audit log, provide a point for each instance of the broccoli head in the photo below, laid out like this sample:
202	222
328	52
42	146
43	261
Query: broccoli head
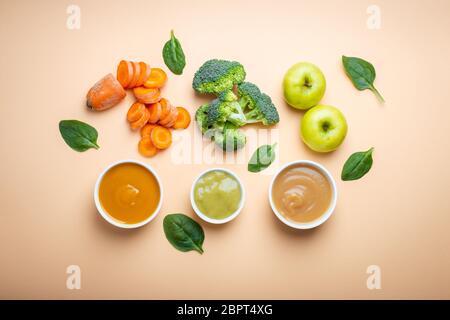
257	106
215	76
264	111
225	134
248	93
201	117
234	107
225	108
228	95
231	138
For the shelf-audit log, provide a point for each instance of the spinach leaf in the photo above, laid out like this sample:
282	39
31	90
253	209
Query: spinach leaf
262	158
357	165
183	233
78	135
362	73
173	55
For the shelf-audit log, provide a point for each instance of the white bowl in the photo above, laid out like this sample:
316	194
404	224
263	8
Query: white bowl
230	217
324	217
105	214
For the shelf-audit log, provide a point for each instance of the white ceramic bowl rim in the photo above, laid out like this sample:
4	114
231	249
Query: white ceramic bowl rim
110	219
230	217
324	217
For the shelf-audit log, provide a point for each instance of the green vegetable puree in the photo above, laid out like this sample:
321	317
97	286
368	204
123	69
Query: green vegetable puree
217	194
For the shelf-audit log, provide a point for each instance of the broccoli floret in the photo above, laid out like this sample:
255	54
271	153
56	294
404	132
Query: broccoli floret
231	138
201	117
220	120
237	115
228	95
224	133
257	106
215	76
248	93
225	108
253	106
264	111
218	112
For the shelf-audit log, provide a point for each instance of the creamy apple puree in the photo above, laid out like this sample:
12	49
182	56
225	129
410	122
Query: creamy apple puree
301	193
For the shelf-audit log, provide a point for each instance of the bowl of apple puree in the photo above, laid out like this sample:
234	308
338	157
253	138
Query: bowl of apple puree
303	194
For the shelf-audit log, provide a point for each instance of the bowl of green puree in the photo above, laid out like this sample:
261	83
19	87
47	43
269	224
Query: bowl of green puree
217	195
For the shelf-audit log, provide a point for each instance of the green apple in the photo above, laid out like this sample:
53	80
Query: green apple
323	128
303	85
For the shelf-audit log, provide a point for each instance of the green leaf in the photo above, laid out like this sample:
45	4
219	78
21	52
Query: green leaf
78	135
173	55
357	165
262	158
183	233
362	73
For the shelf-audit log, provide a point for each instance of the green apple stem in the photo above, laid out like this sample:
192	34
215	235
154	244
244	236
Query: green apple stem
379	96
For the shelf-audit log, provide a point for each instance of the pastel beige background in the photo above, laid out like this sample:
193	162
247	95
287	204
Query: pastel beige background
397	217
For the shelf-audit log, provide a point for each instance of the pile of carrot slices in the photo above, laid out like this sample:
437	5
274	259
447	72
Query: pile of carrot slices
152	114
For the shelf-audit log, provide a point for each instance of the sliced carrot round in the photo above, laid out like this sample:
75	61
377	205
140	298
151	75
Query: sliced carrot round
147	95
142	121
165	107
155	112
157	78
148	71
136	73
146	147
170	118
142	71
147	130
166	112
171	123
143	75
161	137
135	112
124	73
183	120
